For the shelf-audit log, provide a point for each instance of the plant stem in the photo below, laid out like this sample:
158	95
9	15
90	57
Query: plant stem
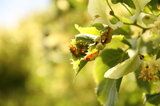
112	10
109	5
127	8
135	24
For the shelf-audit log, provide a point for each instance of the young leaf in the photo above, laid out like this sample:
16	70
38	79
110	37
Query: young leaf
128	2
149	19
97	10
81	65
124	30
118	41
153	7
99	13
87	30
86	38
139	4
107	89
80	46
107	92
125	67
78	65
100	26
107	59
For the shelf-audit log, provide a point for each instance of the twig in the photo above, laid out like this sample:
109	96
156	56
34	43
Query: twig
127	8
112	10
135	24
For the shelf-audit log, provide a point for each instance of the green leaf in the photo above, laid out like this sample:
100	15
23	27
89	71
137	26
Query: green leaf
141	3
107	89
153	98
118	41
99	13
129	65
97	10
107	59
153	7
87	30
88	38
78	65
128	2
107	92
116	1
124	30
148	19
99	26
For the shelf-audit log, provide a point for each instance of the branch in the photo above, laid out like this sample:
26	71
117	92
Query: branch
112	11
127	8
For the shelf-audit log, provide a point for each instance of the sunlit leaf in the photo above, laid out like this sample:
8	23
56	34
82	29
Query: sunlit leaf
128	2
125	67
118	41
78	65
107	92
107	89
99	26
149	19
153	7
107	59
124	30
139	4
87	30
97	10
88	38
83	48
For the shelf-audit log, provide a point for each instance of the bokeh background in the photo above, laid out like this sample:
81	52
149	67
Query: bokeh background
35	67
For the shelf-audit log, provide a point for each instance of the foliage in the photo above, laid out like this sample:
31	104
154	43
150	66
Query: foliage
118	53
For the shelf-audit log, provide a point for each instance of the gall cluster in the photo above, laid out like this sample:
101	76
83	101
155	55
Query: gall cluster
80	49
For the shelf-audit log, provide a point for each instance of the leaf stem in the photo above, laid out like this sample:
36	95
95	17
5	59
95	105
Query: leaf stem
112	10
127	8
135	24
109	5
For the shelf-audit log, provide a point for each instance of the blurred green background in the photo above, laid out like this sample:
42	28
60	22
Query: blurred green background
35	67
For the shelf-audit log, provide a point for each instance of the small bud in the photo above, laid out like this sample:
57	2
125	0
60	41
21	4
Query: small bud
100	46
111	13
